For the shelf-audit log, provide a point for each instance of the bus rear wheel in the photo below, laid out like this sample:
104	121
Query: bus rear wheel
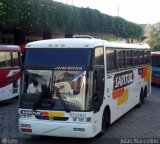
141	99
145	92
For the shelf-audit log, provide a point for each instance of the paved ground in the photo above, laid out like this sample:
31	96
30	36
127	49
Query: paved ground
143	123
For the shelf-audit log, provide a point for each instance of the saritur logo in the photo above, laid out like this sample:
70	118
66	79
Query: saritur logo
123	79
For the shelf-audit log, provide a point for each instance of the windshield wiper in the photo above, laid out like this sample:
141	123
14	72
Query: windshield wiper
59	95
56	91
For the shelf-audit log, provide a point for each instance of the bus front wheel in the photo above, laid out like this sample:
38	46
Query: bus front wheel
103	125
105	122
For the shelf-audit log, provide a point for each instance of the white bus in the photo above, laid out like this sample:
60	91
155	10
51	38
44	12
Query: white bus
76	87
9	71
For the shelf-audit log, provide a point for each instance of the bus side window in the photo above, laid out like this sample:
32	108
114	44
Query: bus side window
149	58
135	58
111	59
5	59
99	56
8	58
141	57
15	59
121	59
129	58
2	59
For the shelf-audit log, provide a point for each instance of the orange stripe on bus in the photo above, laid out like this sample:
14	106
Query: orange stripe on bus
144	73
118	93
45	113
148	74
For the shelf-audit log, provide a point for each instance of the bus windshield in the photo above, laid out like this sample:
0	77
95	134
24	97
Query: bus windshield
62	57
56	90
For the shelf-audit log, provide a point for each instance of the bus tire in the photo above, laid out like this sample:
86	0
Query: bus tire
105	121
145	92
141	99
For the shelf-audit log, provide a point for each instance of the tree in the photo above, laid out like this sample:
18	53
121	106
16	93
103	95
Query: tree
153	36
45	16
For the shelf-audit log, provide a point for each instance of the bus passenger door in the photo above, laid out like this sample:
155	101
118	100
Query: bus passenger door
98	79
98	92
15	73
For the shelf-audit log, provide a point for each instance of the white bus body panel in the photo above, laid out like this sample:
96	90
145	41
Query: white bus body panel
7	92
133	93
61	128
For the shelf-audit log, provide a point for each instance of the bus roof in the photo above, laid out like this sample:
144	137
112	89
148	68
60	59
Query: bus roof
82	43
9	47
155	53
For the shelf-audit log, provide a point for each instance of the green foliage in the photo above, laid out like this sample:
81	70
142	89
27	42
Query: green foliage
153	37
41	15
8	17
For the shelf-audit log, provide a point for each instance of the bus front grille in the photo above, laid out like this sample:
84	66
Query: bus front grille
52	118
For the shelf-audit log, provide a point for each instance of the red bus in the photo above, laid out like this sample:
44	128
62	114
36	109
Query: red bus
10	62
156	67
